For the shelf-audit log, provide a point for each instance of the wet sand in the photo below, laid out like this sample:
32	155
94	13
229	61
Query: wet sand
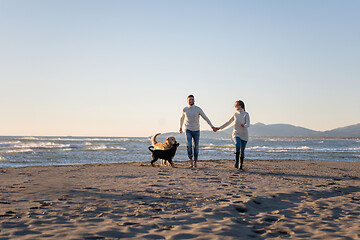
269	200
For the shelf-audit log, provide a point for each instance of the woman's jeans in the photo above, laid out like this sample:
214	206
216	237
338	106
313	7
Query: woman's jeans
240	146
190	135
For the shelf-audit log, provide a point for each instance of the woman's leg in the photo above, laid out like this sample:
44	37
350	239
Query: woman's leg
242	148
237	151
243	145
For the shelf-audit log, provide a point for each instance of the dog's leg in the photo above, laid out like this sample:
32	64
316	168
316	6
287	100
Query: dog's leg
171	163
153	161
166	163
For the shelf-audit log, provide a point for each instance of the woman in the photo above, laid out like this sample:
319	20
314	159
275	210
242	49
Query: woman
240	133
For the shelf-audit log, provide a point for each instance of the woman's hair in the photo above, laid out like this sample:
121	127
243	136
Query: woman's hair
241	103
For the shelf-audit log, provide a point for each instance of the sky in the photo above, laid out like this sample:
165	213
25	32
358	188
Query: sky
125	68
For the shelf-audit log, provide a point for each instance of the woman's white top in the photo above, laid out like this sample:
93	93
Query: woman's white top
240	117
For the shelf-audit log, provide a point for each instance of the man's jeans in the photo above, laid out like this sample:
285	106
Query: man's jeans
190	135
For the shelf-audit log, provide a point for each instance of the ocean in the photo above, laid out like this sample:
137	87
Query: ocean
48	151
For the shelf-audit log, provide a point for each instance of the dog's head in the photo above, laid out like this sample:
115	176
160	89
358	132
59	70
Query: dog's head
171	140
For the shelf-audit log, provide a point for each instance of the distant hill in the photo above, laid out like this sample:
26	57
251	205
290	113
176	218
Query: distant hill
349	131
282	130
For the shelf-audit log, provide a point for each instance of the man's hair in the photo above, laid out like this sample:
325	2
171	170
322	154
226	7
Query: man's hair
190	96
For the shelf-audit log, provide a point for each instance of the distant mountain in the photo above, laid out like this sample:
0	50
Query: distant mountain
349	131
281	130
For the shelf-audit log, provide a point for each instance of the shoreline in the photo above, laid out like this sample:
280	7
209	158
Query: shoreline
270	199
143	163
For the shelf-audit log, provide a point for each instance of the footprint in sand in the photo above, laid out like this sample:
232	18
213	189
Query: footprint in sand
185	236
8	214
270	218
63	198
163	174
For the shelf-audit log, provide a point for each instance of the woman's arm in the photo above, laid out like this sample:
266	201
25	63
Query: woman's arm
227	123
247	121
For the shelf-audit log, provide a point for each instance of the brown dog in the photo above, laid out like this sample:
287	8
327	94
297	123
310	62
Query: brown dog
169	142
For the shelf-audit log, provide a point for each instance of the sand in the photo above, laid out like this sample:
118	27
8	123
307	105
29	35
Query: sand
269	200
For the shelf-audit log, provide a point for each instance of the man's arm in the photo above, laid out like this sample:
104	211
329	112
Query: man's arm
202	114
182	121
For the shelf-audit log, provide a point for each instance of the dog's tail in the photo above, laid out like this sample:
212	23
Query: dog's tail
151	148
153	139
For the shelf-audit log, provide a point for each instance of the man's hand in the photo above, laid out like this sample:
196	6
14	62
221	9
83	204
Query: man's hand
180	131
215	129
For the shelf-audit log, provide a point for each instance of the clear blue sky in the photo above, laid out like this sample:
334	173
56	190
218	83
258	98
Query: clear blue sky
125	68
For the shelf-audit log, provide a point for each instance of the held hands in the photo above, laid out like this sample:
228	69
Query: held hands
215	129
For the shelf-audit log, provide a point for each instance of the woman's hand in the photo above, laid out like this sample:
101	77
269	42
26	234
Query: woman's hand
215	129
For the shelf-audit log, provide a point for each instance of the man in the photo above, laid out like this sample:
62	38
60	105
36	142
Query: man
191	115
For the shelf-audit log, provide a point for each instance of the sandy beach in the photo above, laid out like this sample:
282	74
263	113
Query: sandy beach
269	200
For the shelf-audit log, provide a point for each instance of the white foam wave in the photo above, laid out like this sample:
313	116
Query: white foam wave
354	149
302	148
285	140
9	143
213	146
103	147
277	149
23	150
2	159
79	139
67	149
34	145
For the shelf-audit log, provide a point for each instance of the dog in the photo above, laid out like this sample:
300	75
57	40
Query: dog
169	142
166	155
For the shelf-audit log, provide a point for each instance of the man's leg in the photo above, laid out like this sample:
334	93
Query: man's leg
188	136
196	136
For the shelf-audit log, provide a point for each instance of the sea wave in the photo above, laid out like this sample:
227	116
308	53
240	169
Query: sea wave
103	147
301	148
9	143
213	146
285	140
22	150
96	139
264	148
34	145
28	138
